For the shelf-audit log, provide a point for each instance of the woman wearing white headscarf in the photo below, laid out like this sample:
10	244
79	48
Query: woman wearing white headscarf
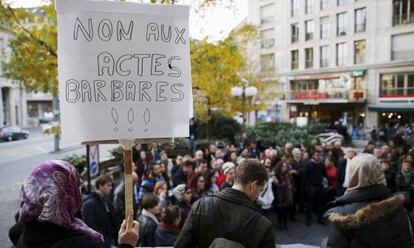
368	215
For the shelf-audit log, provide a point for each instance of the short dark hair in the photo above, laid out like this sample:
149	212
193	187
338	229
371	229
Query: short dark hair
170	214
149	201
102	180
189	162
250	170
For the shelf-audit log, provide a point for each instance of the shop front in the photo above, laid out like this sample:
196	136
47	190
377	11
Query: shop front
328	97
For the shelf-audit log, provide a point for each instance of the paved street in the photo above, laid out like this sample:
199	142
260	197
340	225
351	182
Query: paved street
17	158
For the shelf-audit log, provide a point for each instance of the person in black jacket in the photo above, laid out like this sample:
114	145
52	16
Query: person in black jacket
181	176
98	211
148	219
231	213
168	230
50	199
368	215
316	186
341	171
404	183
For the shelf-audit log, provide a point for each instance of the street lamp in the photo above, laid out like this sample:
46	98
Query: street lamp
244	91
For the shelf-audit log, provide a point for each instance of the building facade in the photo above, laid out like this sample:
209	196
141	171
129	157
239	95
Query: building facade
17	107
349	60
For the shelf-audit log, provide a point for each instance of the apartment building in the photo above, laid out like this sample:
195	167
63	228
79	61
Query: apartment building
339	59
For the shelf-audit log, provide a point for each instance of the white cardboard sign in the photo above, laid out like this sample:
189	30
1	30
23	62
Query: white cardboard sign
124	70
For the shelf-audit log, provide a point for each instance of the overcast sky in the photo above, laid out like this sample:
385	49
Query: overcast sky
216	23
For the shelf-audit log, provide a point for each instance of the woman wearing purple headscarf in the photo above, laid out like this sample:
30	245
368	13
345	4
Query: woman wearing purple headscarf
50	197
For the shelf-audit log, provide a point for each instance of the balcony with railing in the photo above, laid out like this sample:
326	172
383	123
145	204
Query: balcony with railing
403	19
359	28
339	95
267	43
397	92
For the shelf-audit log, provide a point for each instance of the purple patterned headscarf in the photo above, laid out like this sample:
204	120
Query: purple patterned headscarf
51	194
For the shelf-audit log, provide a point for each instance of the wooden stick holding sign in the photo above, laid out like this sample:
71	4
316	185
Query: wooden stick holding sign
127	145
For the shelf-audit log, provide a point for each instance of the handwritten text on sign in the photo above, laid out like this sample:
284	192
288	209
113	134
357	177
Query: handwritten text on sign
125	73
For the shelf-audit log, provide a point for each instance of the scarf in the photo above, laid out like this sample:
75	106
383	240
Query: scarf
407	176
51	194
150	215
365	170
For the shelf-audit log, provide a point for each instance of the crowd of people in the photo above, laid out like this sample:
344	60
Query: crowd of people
288	180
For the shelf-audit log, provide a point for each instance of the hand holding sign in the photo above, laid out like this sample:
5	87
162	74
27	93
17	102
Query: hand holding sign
129	231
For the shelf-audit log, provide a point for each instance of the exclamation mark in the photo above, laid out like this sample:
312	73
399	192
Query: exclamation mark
147	118
114	115
130	118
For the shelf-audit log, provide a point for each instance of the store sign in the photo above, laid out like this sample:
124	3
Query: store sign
358	73
311	95
321	76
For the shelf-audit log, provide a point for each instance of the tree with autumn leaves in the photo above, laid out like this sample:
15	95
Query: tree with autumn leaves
216	67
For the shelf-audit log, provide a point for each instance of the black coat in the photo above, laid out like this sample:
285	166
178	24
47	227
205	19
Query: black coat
48	235
369	217
147	231
340	175
179	178
96	216
165	237
314	174
234	207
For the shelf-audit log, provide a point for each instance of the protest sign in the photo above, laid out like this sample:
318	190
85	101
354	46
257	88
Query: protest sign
124	70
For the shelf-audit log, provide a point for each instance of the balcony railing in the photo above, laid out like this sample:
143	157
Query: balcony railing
359	28
318	95
403	19
397	92
267	43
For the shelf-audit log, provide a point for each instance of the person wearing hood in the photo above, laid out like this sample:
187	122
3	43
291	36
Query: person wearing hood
50	197
368	215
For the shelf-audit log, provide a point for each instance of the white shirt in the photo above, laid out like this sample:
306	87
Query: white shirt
346	179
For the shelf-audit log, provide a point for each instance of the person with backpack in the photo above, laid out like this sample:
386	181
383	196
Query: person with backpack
230	217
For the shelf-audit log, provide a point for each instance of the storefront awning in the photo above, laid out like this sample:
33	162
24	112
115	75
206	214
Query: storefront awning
391	109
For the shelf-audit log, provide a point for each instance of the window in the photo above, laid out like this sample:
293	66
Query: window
360	20
309	26
267	13
341	20
397	85
325	4
308	57
341	2
294	33
267	39
267	62
324	56
359	51
341	51
402	46
325	28
403	12
309	6
294	58
294	11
